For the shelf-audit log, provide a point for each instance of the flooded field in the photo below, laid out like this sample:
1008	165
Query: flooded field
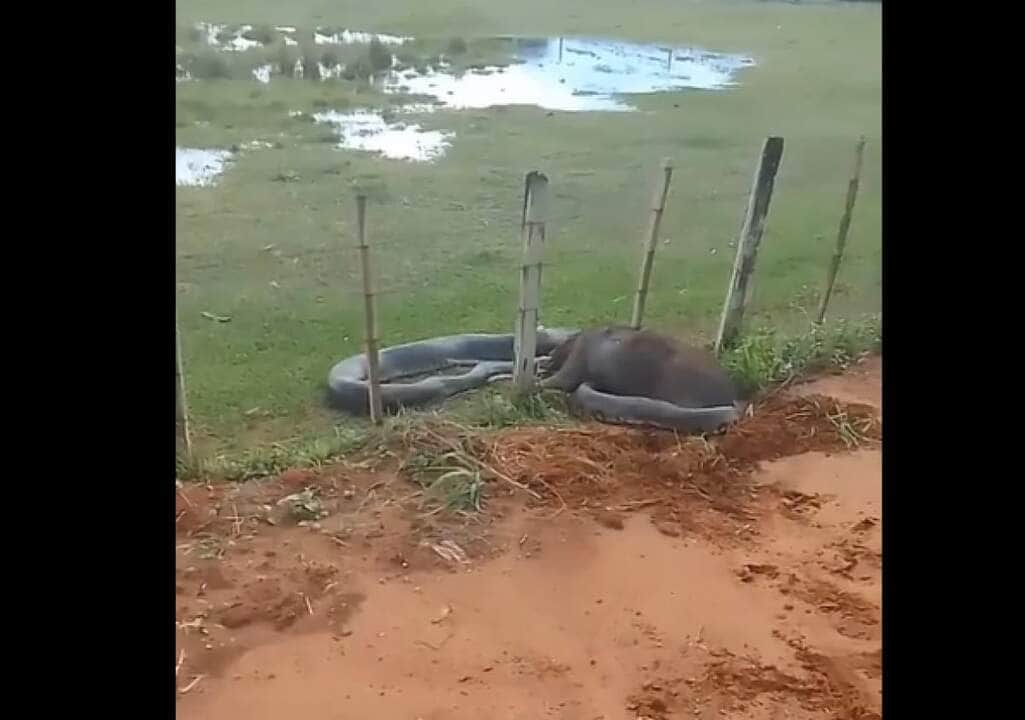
568	74
576	74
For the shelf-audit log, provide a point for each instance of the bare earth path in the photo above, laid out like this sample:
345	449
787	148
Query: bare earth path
657	579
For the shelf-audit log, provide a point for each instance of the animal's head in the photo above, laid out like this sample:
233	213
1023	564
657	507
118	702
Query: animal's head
561	354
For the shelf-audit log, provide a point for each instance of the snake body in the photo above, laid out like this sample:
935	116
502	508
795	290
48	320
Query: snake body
491	356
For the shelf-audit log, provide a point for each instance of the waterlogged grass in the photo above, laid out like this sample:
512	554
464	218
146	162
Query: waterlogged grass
362	61
271	245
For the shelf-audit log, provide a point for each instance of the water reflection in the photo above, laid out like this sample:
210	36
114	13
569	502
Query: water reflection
575	74
198	167
369	131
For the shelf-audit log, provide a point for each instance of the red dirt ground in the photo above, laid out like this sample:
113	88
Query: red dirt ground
647	576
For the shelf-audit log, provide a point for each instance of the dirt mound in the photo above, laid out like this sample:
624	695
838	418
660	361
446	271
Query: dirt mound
781	427
602	456
734	682
265	600
355	587
606	470
610	470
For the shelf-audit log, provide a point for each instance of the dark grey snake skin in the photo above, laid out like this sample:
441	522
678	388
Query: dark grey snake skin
491	356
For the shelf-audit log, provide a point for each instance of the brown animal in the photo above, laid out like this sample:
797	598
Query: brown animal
621	361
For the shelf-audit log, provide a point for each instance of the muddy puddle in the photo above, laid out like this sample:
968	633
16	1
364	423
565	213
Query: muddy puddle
370	132
575	75
199	168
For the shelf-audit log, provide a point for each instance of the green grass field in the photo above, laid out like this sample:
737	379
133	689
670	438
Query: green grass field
445	235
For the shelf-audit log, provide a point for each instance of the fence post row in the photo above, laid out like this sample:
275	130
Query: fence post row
535	213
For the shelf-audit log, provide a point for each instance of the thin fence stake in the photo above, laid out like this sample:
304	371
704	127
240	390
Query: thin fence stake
845	226
738	292
535	211
370	312
658	206
181	405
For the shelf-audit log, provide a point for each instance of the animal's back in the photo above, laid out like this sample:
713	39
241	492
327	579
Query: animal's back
694	379
651	365
630	362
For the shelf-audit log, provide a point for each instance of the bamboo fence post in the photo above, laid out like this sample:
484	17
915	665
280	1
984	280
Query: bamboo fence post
845	226
181	405
370	311
658	207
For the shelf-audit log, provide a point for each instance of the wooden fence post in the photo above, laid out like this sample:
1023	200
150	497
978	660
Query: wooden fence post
845	226
535	211
370	311
658	206
747	245
181	405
